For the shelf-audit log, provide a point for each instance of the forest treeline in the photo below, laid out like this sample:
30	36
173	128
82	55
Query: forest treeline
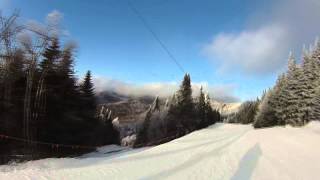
180	115
44	105
40	97
294	100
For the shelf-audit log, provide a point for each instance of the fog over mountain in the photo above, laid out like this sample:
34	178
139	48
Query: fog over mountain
222	93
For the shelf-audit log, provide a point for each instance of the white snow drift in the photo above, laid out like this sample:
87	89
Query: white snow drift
222	151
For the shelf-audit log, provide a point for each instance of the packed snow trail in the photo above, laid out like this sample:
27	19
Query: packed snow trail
222	151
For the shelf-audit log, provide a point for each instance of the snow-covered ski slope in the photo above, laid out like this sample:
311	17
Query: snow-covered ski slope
222	151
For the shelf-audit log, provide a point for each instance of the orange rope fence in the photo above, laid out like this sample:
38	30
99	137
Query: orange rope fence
53	145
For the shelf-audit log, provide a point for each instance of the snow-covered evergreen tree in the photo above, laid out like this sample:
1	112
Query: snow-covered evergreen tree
315	56
279	99
292	113
295	97
143	135
315	110
308	84
266	114
212	116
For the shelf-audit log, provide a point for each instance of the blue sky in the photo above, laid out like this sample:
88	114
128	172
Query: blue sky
235	47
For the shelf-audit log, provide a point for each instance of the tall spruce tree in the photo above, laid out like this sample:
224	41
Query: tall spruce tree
315	56
68	93
66	80
46	112
88	95
51	56
173	123
279	99
315	110
266	113
293	92
201	108
185	105
143	136
181	114
212	116
308	83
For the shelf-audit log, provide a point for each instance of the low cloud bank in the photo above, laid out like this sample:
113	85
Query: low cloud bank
223	93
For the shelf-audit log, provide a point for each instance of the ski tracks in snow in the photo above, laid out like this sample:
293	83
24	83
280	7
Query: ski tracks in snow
222	151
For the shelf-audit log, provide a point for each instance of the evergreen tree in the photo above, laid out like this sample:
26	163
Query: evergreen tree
293	92
181	114
51	56
212	116
66	64
201	109
172	122
315	56
172	103
246	112
70	97
47	89
315	110
266	114
46	112
185	106
11	108
143	135
279	99
308	86
88	95
67	93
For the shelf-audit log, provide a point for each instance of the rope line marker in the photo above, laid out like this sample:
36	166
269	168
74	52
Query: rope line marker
53	145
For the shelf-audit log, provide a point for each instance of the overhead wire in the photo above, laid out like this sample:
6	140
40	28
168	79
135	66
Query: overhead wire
154	34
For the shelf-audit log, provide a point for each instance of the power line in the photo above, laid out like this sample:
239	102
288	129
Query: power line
156	37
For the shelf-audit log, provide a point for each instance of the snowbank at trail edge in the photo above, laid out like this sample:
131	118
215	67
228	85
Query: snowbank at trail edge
222	151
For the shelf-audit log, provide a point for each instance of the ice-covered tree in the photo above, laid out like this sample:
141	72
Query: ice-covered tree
212	115
315	110
293	92
308	83
279	99
143	135
246	112
266	114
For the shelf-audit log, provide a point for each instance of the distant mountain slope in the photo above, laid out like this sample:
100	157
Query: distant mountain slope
131	109
110	97
226	108
126	109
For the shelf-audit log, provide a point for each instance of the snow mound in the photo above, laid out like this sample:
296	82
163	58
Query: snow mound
222	151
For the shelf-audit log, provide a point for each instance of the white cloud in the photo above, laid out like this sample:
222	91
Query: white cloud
51	25
251	51
163	89
262	47
53	20
54	17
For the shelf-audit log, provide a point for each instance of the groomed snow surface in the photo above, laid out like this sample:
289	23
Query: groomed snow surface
222	151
